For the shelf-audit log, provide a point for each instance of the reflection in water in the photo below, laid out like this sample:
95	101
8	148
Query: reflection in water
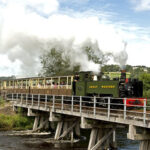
125	144
33	143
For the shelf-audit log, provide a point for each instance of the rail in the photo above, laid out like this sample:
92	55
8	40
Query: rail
105	108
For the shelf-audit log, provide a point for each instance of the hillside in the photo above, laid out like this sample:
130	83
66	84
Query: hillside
135	71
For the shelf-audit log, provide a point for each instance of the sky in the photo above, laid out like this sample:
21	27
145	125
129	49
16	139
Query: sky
29	27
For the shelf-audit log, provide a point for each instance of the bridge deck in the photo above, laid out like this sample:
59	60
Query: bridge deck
80	107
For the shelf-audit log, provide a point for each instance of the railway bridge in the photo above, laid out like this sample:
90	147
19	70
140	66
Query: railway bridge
98	114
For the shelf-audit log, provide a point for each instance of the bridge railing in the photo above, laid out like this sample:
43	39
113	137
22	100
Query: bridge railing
135	108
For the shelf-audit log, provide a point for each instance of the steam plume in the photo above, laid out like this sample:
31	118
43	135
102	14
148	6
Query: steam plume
29	28
122	57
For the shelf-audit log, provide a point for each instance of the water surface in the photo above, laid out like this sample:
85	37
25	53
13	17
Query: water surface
34	143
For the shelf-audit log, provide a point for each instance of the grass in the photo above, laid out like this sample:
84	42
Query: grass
2	102
15	122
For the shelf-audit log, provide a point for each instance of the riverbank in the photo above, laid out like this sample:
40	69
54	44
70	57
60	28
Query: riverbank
9	120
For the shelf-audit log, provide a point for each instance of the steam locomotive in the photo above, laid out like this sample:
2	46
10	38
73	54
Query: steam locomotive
131	89
80	84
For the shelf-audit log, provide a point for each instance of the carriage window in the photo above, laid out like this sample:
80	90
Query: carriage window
24	82
7	84
41	82
34	82
11	83
27	82
48	81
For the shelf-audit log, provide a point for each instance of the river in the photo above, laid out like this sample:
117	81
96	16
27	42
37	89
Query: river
33	143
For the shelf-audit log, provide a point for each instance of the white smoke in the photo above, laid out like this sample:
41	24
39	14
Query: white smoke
28	28
121	57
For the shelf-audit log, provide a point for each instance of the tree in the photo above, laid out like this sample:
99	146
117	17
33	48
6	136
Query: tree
54	64
145	77
111	68
97	56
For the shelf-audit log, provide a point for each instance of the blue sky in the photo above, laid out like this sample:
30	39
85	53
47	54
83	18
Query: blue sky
121	10
29	27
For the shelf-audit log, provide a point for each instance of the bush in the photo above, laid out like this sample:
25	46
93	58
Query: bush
145	77
146	93
17	122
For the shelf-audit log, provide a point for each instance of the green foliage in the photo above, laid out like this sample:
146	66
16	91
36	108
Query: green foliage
2	102
97	56
110	68
145	77
148	104
113	75
7	78
17	122
53	63
135	71
146	93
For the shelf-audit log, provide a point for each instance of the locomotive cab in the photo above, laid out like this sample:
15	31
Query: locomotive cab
79	86
85	76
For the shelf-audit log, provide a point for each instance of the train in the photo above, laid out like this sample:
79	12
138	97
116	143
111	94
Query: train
84	83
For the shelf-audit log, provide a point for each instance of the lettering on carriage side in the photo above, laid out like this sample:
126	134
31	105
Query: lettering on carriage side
93	86
108	86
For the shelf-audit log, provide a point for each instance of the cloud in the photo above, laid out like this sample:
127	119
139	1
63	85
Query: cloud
40	6
141	5
44	6
28	28
75	1
7	67
25	34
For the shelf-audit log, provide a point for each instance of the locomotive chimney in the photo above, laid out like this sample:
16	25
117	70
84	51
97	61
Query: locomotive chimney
123	75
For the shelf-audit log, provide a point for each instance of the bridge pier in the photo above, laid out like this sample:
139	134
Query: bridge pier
144	145
143	137
40	122
65	129
66	126
101	138
36	122
102	134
